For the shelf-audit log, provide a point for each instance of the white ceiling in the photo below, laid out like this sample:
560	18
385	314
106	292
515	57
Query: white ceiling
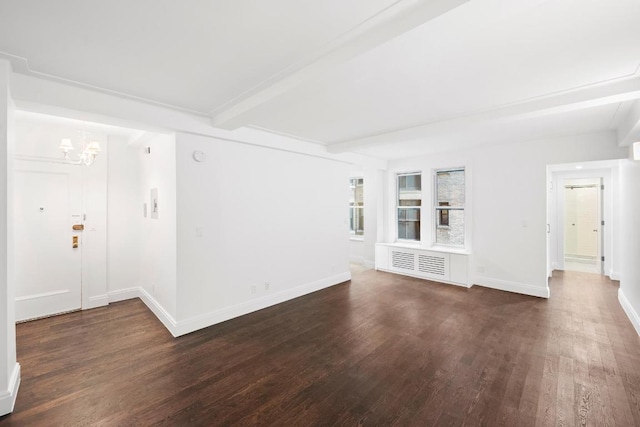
386	78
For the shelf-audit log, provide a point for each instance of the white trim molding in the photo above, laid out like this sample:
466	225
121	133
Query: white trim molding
124	294
167	320
208	319
96	301
8	397
629	311
518	288
183	327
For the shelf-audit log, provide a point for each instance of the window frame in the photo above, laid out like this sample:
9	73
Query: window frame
437	209
353	208
398	207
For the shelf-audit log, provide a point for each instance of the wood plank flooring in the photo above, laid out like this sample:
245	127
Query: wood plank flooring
380	350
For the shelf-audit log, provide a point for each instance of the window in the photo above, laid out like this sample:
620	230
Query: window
356	206
449	207
409	203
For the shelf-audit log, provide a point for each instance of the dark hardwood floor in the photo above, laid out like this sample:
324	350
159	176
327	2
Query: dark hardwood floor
381	350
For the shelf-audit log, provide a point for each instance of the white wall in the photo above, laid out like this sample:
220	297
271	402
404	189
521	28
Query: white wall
158	236
251	215
629	294
508	204
124	215
9	368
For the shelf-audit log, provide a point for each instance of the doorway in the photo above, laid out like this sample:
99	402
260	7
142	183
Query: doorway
599	180
48	248
582	225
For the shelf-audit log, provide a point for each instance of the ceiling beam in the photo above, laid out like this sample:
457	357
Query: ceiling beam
400	17
605	93
629	129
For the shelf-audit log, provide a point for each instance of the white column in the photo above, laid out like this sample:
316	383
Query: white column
9	368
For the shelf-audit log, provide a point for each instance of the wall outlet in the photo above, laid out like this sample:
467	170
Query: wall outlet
267	285
253	289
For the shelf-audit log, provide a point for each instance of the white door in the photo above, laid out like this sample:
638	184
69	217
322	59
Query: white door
48	266
582	227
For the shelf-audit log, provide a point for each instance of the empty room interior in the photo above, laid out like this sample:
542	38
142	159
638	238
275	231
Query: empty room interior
362	212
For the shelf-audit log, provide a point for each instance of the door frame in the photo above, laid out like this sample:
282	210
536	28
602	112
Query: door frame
561	205
607	171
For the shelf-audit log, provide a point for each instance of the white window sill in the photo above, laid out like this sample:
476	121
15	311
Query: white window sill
417	245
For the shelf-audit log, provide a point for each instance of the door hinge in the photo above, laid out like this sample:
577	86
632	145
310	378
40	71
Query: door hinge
602	187
603	259
602	222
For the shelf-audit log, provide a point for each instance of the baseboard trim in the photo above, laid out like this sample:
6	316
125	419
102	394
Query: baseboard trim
97	301
614	275
165	318
629	310
369	264
518	288
8	397
124	294
184	327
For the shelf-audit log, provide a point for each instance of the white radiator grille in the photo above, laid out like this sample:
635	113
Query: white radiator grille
403	260
431	265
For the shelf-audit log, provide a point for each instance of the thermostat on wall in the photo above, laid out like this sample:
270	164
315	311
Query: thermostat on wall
199	156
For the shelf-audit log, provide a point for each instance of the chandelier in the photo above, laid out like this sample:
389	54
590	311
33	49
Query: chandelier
88	155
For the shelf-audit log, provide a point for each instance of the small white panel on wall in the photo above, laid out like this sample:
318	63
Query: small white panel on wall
382	257
154	203
458	269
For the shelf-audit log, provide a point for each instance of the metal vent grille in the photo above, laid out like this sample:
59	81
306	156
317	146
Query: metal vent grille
403	260
431	265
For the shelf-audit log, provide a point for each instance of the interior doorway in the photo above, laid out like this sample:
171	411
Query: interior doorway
572	243
48	257
582	225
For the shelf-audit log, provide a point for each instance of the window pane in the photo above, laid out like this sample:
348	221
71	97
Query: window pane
409	194
453	234
450	188
356	201
357	221
409	230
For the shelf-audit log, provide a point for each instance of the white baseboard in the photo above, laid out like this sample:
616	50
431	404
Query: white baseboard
629	310
614	275
97	301
518	288
8	397
198	322
369	264
124	294
167	320
178	328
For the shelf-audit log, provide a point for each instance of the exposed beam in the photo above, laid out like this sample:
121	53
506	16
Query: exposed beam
629	130
397	19
585	97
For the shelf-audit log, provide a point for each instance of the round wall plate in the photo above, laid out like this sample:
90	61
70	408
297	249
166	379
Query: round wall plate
199	156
